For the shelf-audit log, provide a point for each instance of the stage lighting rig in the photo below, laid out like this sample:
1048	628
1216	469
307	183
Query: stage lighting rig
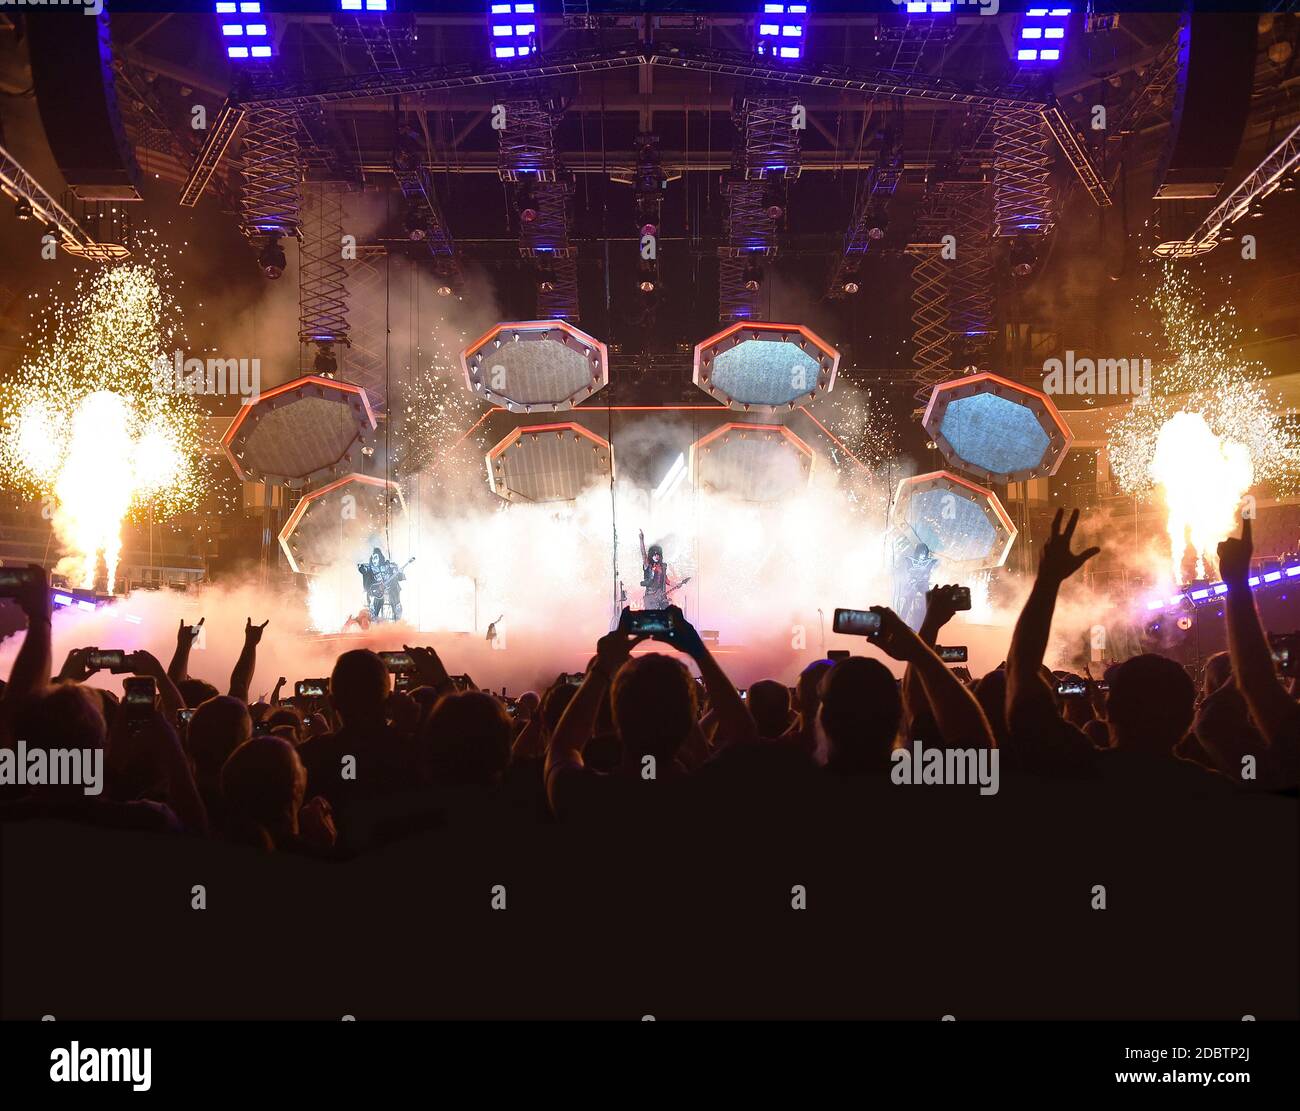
326	362
1024	256
513	29
1041	41
246	30
782	30
271	260
23	208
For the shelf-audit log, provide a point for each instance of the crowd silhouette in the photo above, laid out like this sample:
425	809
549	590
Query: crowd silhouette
635	737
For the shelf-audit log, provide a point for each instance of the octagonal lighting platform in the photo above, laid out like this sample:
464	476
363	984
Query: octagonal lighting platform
996	429
757	366
535	366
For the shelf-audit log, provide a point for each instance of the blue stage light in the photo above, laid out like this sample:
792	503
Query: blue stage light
1217	590
1042	36
512	29
245	22
782	28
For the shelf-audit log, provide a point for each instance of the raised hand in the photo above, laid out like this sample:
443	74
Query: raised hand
940	606
613	649
145	663
33	597
1057	562
428	667
187	634
253	633
77	667
682	635
896	638
1234	556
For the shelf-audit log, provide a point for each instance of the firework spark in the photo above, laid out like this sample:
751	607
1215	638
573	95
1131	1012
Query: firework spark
1206	431
88	421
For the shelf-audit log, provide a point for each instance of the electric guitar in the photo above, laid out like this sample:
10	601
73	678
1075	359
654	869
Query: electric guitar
382	582
677	586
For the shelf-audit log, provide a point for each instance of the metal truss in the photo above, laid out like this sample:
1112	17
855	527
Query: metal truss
272	172
1258	184
557	295
17	184
366	285
912	36
1076	153
541	191
416	185
1024	201
1152	100
527	142
868	217
771	145
766	157
734	63
322	293
970	280
952	304
381	38
931	335
171	149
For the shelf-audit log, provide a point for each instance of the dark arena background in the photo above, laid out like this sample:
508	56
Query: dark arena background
477	333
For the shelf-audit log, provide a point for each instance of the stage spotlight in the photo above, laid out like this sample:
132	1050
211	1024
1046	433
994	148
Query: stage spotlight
528	215
546	286
850	286
415	225
1024	256
271	260
753	277
326	363
23	208
775	212
879	223
647	286
445	290
649	229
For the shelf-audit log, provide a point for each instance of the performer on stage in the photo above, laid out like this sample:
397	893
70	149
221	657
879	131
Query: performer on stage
655	578
912	570
380	577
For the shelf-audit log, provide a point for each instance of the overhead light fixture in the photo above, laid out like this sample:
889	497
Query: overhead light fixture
1042	36
781	30
271	259
512	29
23	208
246	30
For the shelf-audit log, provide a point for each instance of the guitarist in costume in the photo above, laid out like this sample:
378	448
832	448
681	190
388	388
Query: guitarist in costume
655	578
381	578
